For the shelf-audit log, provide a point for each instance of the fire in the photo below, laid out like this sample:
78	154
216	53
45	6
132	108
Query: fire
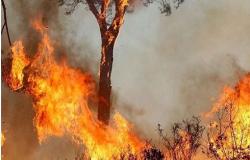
20	61
60	100
2	139
186	142
182	150
231	136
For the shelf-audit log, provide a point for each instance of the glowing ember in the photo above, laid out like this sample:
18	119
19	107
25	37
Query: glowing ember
60	96
230	138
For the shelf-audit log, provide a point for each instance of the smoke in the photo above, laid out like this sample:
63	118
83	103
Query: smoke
165	68
17	126
174	67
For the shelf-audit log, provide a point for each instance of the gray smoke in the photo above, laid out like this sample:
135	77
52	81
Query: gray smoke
174	67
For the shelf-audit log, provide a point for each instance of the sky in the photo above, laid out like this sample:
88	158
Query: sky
166	68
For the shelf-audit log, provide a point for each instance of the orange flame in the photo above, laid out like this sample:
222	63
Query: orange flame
182	150
61	96
234	122
19	62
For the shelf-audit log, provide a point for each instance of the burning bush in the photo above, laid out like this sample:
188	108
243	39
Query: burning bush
185	139
229	134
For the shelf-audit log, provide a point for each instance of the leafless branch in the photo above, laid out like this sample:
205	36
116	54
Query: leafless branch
5	25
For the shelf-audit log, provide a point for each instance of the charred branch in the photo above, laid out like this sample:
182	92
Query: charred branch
185	139
5	25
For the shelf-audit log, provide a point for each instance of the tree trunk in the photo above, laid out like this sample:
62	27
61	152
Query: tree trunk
104	93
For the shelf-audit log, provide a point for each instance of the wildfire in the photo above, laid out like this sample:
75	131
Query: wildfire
60	100
231	132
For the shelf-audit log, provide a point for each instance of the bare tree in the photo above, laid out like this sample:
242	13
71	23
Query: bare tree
110	16
185	139
5	24
228	138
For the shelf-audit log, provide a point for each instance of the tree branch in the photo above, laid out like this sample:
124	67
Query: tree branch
5	22
120	9
2	28
105	4
93	8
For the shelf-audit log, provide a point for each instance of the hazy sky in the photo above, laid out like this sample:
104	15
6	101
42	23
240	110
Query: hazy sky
165	68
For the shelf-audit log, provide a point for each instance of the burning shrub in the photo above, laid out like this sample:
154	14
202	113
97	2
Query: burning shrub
148	153
226	140
185	139
229	134
152	154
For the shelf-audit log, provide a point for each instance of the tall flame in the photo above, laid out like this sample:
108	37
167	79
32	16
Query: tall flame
60	100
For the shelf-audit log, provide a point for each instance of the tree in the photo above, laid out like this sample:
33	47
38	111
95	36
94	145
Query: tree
110	16
185	139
